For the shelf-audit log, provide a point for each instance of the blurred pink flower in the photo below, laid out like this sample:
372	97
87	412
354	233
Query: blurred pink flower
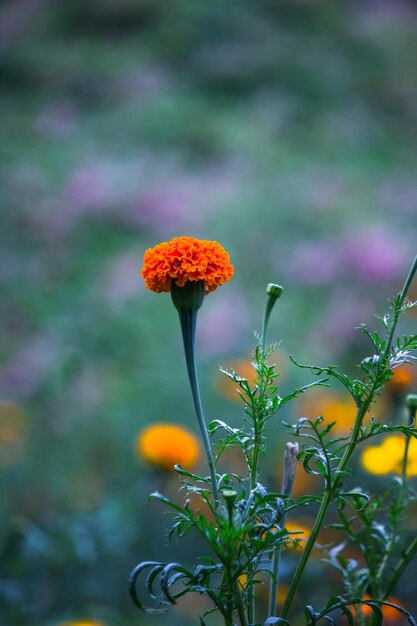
91	187
57	119
177	200
399	192
375	254
30	366
338	325
315	263
223	321
120	281
166	207
101	187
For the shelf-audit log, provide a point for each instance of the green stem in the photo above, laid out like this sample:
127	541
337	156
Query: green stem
188	318
411	421
268	309
240	607
306	552
253	482
408	554
328	495
403	294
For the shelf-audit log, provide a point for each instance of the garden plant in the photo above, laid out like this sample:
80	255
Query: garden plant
243	523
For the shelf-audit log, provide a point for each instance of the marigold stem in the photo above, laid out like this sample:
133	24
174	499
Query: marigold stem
188	321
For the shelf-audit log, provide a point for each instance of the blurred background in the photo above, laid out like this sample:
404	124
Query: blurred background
284	130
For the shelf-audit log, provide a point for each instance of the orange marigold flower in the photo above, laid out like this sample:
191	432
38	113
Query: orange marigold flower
186	259
85	622
164	445
390	615
334	407
403	378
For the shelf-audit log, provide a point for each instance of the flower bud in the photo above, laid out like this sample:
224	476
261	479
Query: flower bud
229	495
274	290
411	401
290	466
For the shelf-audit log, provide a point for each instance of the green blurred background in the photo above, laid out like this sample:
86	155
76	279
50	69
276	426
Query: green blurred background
284	130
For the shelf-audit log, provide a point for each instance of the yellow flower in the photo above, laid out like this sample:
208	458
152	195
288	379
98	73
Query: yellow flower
164	445
387	457
297	532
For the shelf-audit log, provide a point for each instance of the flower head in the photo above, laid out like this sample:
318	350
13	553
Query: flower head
186	259
163	445
85	622
390	615
387	457
334	407
403	378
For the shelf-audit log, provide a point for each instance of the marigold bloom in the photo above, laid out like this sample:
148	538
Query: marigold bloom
85	622
186	259
334	407
164	445
390	615
403	378
387	458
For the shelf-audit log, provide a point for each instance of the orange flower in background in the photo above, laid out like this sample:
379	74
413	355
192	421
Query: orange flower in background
164	445
390	615
13	425
304	482
88	622
387	457
227	388
403	379
186	259
334	407
12	421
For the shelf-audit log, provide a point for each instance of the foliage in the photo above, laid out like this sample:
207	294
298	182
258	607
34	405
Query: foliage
245	532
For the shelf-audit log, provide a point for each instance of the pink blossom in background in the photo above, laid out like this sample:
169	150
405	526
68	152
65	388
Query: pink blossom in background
399	194
166	207
138	192
223	321
30	366
94	188
338	325
57	119
177	200
91	186
315	262
121	280
375	254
